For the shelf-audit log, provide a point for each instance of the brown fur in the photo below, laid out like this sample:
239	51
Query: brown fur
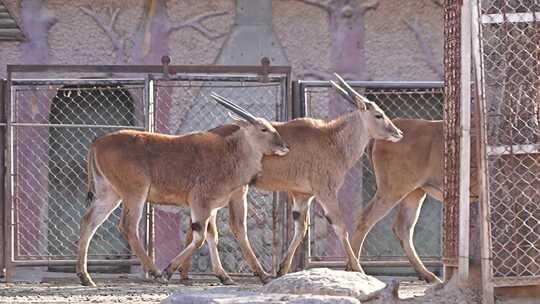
405	172
201	170
321	153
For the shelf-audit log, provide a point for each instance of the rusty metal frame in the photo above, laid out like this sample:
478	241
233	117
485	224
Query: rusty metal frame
262	73
451	133
486	16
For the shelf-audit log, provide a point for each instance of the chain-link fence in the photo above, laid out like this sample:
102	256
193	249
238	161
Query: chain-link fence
51	124
407	100
509	39
184	105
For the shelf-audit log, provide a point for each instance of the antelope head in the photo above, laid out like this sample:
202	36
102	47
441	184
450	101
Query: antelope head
375	121
261	134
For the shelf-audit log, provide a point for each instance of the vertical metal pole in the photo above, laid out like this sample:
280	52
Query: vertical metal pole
148	101
276	253
465	144
8	216
2	178
485	247
302	111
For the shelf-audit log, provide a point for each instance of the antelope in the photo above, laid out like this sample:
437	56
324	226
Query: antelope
405	172
200	170
321	154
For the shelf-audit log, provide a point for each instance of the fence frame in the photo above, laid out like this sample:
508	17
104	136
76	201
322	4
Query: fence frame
285	113
146	74
480	20
303	111
3	222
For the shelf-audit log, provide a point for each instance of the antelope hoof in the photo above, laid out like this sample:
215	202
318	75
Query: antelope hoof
430	278
226	280
86	280
348	267
265	278
164	277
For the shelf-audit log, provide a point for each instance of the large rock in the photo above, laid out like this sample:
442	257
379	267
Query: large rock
236	296
324	281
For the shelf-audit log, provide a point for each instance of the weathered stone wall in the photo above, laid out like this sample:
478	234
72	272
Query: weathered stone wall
393	51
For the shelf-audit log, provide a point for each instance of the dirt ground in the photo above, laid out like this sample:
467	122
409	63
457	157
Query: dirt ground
134	290
65	288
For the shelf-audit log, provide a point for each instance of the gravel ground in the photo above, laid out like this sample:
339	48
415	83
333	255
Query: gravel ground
113	290
132	290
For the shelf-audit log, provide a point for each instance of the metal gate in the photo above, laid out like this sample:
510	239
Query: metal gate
508	73
182	104
53	118
397	99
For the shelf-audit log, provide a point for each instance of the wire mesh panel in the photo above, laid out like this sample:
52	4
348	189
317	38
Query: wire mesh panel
452	74
52	126
184	105
510	35
407	101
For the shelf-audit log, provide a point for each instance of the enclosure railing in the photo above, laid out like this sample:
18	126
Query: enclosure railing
508	70
55	111
398	99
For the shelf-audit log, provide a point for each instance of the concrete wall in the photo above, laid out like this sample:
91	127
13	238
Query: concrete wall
402	38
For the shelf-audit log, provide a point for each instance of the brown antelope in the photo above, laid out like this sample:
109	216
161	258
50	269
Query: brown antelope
405	172
200	170
321	154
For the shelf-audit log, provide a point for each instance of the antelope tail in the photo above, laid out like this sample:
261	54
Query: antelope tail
90	165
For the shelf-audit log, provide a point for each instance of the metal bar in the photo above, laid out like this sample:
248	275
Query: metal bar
513	149
276	254
8	186
516	281
402	263
158	69
3	88
74	262
526	17
465	145
31	124
34	82
379	84
485	247
150	211
228	77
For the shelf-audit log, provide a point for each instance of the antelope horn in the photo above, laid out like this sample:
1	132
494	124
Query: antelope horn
344	93
360	98
233	107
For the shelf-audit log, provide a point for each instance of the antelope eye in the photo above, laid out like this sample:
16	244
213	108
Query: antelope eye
378	116
264	130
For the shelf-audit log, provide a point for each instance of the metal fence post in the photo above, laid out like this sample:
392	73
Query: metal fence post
2	179
8	202
149	125
299	110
